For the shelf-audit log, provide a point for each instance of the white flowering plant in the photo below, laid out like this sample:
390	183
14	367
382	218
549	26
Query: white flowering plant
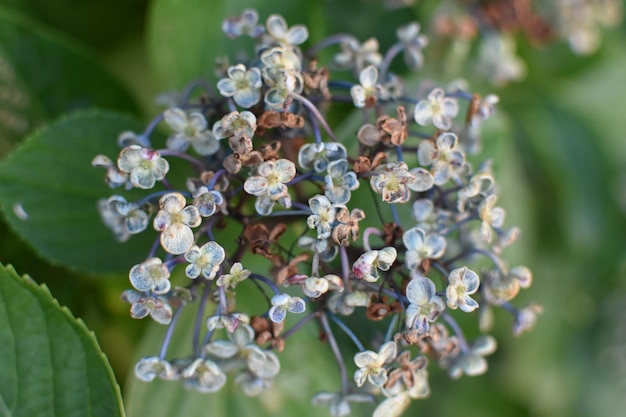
318	193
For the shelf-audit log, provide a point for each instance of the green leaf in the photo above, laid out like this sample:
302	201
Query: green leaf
307	367
51	365
43	75
49	193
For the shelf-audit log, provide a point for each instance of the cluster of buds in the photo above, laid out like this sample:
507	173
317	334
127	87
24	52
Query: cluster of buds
400	231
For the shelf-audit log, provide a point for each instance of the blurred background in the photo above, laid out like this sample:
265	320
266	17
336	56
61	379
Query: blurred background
560	157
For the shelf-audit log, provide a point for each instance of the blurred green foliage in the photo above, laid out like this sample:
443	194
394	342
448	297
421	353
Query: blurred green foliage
560	154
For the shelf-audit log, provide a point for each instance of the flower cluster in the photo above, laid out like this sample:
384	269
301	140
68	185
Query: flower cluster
273	183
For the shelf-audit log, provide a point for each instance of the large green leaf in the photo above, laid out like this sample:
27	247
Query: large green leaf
50	364
43	75
50	179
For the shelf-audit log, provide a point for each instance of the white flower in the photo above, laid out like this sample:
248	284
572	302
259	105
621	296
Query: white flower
371	364
462	283
190	129
424	304
368	91
145	166
244	86
368	264
436	109
421	246
282	303
269	185
175	220
205	260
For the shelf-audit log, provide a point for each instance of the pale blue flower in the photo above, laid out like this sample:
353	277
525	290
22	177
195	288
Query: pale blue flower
151	275
283	303
190	129
424	304
421	246
340	182
317	156
143	165
244	86
205	260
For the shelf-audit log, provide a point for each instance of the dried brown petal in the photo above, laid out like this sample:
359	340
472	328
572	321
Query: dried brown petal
232	163
391	233
378	159
361	165
290	269
241	145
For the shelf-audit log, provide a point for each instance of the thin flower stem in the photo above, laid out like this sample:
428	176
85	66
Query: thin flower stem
182	155
389	56
231	105
392	323
266	281
331	40
155	246
200	83
214	179
335	349
394	214
149	129
345	268
209	334
366	237
288	213
199	317
457	331
223	301
399	154
151	197
168	335
298	325
347	331
316	130
311	107
341	84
